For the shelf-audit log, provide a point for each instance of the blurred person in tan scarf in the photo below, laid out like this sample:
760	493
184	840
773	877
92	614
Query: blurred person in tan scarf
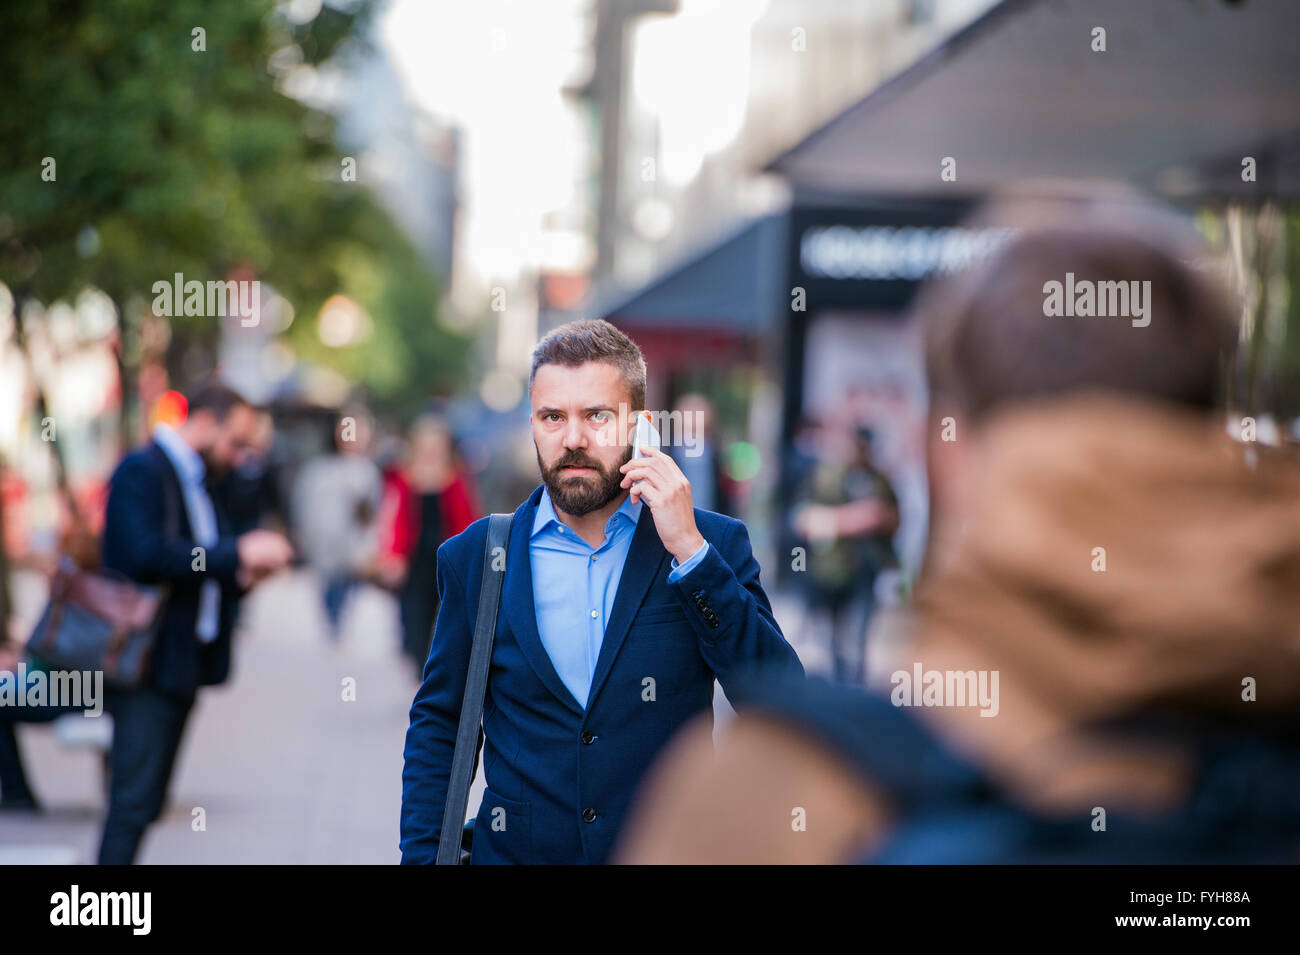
1129	573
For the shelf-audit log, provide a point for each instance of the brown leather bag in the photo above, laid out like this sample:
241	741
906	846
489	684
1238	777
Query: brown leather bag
98	620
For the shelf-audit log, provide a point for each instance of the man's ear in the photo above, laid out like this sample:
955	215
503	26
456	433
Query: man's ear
203	421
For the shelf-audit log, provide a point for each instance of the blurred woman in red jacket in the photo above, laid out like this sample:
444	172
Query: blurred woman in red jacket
425	502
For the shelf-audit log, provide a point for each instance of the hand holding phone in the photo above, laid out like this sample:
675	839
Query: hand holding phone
646	433
671	509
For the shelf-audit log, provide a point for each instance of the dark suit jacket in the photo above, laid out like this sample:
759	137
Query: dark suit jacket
134	543
560	778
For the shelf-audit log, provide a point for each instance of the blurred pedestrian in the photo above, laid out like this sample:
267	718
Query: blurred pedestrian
16	794
249	493
426	501
336	499
844	518
696	452
801	455
1104	559
160	518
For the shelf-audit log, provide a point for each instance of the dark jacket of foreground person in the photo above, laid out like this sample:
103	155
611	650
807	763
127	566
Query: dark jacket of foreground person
1162	689
564	776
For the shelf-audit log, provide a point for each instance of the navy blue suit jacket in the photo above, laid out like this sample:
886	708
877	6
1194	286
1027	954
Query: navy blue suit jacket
559	779
141	490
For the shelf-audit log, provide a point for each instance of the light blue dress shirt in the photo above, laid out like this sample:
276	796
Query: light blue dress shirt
203	520
574	586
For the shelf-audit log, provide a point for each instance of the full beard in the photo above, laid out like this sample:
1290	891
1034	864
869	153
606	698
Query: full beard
213	470
581	495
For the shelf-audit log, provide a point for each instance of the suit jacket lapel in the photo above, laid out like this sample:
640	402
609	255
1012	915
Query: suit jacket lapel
645	561
173	497
520	609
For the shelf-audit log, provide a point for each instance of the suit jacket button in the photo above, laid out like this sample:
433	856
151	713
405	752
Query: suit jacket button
588	737
588	815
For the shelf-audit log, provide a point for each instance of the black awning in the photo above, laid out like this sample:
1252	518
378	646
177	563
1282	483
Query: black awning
1184	90
733	283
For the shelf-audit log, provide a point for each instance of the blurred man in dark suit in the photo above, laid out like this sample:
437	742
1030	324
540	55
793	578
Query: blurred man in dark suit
162	527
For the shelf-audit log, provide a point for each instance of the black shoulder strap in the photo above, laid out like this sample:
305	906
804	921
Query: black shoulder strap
471	709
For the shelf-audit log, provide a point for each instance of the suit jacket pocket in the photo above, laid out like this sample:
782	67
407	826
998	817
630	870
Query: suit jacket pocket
660	613
502	831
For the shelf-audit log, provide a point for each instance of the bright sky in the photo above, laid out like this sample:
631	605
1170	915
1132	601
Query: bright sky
496	68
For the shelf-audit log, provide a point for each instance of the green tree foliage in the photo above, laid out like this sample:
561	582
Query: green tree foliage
173	159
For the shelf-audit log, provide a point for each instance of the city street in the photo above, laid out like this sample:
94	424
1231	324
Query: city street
283	768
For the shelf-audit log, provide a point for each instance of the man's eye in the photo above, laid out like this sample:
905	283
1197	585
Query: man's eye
600	416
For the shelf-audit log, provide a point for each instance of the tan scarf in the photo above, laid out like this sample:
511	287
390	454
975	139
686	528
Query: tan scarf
1200	591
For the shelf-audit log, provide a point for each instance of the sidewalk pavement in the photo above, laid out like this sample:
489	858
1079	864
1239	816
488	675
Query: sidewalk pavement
277	766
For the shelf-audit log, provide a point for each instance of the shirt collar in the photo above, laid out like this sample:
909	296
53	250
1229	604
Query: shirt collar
627	511
186	460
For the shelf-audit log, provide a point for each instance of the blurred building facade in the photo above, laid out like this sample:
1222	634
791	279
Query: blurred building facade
697	252
648	148
711	93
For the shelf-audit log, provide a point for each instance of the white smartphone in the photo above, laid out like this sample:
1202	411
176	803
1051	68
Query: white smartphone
646	433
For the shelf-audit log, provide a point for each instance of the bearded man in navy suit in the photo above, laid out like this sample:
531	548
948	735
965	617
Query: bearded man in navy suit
622	603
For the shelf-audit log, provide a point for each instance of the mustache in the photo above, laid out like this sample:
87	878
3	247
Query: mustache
572	460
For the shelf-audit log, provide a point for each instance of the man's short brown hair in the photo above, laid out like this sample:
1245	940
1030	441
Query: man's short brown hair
215	396
575	343
989	341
